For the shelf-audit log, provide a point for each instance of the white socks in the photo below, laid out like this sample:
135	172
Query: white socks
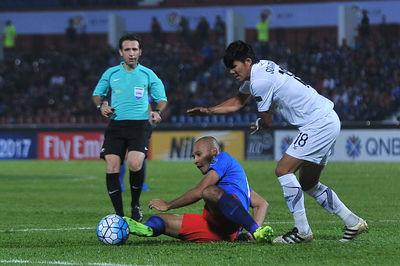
295	201
325	196
328	200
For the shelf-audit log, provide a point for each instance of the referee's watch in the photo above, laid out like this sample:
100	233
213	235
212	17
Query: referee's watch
158	111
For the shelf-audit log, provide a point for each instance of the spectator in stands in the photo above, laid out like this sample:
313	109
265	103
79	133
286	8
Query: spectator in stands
10	34
263	27
220	31
364	28
184	29
156	31
57	80
263	33
70	33
203	30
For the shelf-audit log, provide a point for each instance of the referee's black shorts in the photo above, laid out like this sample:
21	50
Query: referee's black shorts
123	135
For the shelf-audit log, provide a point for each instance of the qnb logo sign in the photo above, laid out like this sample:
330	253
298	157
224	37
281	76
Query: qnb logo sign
353	146
285	143
381	146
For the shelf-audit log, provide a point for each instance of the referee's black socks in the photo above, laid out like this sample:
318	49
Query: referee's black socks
136	180
114	191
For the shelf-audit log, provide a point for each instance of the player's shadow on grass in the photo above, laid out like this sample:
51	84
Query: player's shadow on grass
155	242
177	242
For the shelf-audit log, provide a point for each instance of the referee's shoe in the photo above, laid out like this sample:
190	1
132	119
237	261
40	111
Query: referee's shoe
137	214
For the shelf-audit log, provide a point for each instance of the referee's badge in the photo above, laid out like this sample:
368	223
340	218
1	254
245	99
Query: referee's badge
139	92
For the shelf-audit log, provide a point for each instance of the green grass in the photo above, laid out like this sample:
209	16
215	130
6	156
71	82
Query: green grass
49	211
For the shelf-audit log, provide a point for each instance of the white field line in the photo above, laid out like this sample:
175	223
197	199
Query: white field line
61	263
331	222
64	177
47	229
94	228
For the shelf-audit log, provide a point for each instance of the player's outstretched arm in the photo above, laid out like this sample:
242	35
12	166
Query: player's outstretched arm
190	196
260	207
199	111
229	106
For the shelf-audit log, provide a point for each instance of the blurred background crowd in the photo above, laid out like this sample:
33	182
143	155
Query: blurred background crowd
55	85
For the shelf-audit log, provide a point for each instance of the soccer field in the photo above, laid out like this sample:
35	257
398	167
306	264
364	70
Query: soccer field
50	209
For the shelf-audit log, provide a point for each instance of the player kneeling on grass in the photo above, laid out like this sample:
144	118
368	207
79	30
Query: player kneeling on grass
227	196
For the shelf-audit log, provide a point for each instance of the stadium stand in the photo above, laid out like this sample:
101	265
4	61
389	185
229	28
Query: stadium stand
58	79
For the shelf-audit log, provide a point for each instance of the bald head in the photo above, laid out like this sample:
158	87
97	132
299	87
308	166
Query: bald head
204	150
209	142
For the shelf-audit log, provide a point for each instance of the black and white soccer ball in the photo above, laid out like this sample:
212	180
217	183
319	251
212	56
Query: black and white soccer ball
112	230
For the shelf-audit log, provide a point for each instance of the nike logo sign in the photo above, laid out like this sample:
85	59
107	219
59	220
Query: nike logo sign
112	192
116	79
136	187
145	148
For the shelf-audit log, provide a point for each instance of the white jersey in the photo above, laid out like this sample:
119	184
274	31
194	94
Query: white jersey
277	90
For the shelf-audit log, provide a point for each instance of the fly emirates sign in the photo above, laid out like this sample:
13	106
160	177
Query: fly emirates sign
70	146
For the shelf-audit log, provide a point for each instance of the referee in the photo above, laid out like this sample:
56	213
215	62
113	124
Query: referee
130	85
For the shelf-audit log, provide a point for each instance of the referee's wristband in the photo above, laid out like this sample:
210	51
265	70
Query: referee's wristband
99	106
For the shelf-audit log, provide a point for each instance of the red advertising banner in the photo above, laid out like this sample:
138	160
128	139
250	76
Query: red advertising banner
70	146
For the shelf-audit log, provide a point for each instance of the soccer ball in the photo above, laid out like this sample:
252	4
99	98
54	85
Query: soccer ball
112	230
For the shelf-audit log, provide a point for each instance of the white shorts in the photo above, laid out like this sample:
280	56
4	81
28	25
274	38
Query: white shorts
316	140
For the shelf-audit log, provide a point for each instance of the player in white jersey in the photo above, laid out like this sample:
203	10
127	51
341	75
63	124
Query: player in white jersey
278	91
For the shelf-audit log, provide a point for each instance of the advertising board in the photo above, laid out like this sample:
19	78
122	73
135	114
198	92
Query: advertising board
352	144
69	146
178	145
18	146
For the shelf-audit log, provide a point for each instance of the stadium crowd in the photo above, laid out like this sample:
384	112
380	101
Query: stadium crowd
55	86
